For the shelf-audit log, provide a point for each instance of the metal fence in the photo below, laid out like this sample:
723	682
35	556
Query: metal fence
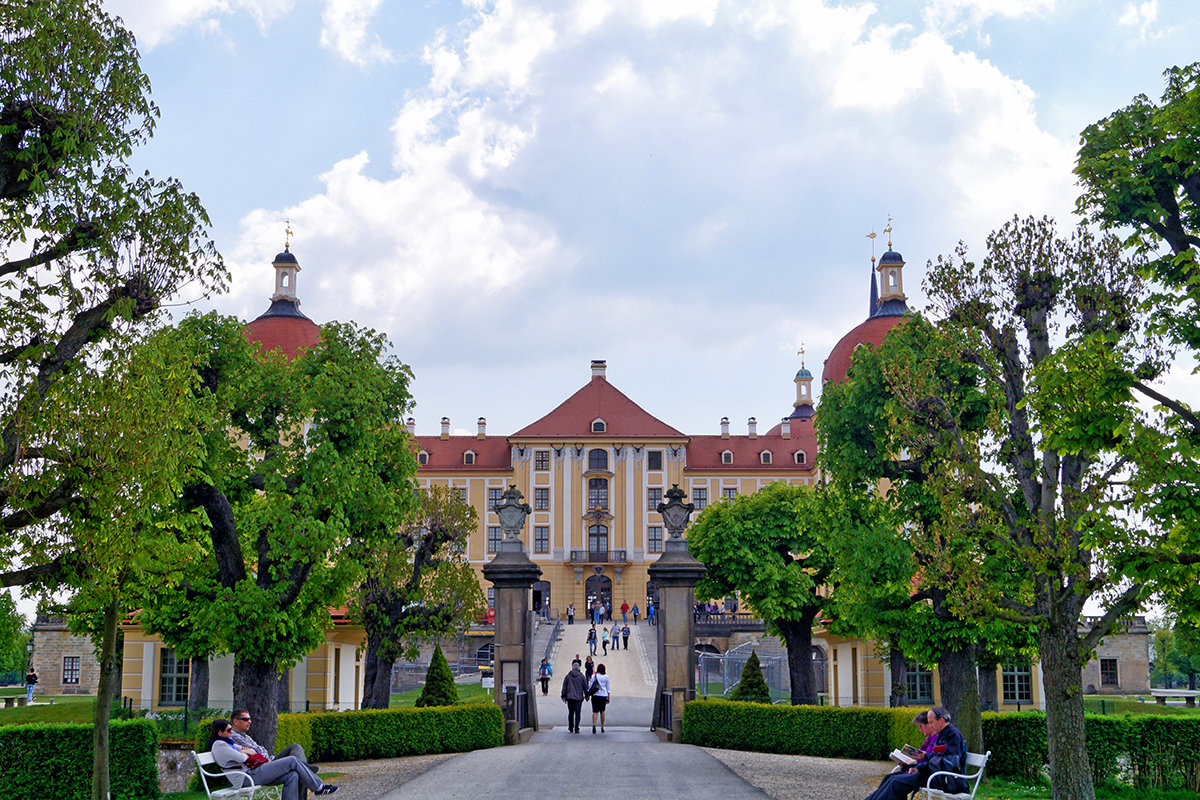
717	674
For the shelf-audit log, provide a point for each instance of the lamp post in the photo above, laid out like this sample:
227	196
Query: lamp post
513	574
676	574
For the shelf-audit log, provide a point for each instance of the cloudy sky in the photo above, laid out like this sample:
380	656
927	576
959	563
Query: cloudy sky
682	187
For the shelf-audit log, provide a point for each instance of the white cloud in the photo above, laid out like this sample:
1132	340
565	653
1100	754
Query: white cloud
344	31
157	22
1141	16
956	16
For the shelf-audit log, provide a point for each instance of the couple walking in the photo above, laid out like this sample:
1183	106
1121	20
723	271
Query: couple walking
576	688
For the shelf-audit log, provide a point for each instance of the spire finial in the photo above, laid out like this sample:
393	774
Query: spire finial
800	353
287	230
888	231
872	236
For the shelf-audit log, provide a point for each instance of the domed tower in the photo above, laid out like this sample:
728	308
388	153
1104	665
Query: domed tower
888	307
282	326
803	407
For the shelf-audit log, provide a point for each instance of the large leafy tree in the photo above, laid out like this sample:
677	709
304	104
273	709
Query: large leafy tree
14	633
416	584
89	251
770	547
303	464
1138	168
1044	486
906	585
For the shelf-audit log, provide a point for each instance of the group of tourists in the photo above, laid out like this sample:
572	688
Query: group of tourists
602	639
578	686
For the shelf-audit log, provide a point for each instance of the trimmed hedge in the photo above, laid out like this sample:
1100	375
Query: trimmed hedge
1148	750
55	760
353	735
869	733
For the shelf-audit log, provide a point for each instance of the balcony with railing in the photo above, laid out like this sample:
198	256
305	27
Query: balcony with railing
599	557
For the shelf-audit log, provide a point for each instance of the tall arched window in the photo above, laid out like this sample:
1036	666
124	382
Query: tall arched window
597	493
598	539
597	459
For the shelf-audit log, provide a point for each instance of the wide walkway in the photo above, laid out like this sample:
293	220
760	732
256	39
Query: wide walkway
626	762
631	674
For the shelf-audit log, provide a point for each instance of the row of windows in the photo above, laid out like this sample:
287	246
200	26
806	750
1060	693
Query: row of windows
1016	683
597	539
598	459
765	457
597	496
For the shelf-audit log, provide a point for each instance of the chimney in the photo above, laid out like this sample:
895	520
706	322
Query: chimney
752	427
411	425
724	427
598	366
445	427
785	428
482	429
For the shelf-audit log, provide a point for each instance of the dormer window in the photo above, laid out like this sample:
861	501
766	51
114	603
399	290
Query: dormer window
422	458
727	457
801	459
469	458
764	457
599	426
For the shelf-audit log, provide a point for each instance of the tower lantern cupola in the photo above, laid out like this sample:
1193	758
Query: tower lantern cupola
286	266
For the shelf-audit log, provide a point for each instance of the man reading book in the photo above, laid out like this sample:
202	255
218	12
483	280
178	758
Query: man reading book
944	749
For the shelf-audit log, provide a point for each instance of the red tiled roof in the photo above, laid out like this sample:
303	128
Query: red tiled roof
286	334
492	453
598	399
704	452
870	332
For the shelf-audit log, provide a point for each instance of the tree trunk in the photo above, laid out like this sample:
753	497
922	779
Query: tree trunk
1062	687
987	688
106	692
197	683
1192	682
255	687
797	637
899	669
959	682
283	695
377	676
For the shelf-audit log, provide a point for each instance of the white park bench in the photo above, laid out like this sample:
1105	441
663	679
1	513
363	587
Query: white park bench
973	760
242	784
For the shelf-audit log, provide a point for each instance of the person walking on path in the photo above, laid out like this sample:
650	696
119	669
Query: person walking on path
589	667
624	613
635	613
604	640
601	695
591	640
574	689
650	613
625	636
30	683
570	613
544	675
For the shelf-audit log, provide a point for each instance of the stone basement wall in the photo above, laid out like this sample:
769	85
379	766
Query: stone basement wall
52	642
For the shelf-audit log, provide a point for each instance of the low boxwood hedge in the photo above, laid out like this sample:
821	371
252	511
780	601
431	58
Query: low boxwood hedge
353	735
55	760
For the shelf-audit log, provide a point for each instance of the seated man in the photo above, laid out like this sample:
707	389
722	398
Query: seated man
948	751
241	737
288	772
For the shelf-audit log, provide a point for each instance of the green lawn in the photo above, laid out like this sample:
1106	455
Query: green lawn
1132	705
467	693
75	708
999	789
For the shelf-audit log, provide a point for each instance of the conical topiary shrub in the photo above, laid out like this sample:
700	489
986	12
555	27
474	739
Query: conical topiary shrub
752	688
439	683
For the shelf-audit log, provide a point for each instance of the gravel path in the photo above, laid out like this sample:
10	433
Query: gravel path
779	777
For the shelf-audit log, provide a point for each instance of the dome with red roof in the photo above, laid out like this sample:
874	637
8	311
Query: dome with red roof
887	310
283	327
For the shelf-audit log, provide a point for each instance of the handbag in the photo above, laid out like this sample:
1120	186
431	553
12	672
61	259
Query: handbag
255	760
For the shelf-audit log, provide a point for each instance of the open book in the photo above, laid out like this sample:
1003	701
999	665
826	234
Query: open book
906	756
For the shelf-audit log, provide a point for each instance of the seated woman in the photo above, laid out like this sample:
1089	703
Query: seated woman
288	772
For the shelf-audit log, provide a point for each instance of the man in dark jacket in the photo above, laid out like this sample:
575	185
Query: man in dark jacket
949	754
574	687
